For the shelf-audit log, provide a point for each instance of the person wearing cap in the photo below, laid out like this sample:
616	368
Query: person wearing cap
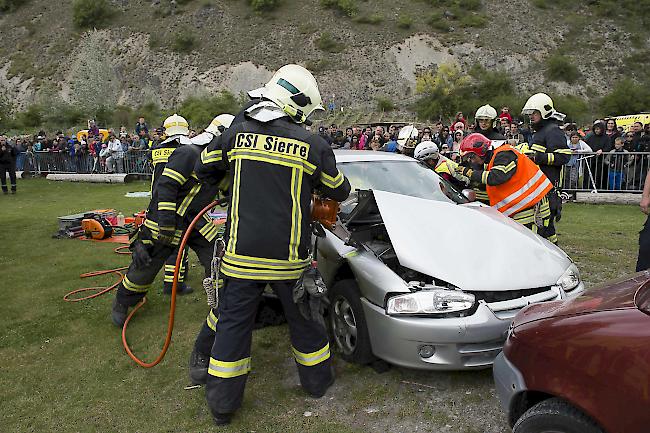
550	151
275	166
515	186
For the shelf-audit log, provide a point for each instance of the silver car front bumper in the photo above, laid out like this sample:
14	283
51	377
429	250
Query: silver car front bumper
461	343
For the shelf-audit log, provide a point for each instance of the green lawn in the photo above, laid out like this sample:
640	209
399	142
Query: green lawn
63	367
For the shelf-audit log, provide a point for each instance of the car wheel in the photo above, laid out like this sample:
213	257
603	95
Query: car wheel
555	416
348	323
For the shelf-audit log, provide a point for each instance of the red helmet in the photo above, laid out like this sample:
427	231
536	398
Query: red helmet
475	143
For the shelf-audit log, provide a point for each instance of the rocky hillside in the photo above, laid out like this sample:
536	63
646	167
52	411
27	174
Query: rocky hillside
162	51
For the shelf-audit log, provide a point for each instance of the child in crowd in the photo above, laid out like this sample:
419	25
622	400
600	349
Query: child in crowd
617	161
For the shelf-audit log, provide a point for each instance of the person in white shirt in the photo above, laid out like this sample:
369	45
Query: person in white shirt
115	160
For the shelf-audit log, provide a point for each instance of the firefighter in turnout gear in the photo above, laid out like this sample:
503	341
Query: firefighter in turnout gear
515	186
550	151
176	198
275	165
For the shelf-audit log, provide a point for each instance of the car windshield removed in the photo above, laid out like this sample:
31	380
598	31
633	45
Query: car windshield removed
400	177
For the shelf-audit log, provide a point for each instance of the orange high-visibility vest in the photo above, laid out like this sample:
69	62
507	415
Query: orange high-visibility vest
524	190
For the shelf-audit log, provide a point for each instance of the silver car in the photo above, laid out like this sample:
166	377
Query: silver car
421	277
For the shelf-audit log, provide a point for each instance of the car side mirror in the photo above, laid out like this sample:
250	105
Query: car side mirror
469	194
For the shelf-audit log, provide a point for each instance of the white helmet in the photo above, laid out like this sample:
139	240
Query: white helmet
176	125
486	112
539	102
294	89
426	150
220	124
407	137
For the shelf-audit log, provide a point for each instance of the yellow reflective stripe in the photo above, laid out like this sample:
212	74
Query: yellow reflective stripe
212	156
313	358
538	148
234	208
567	151
484	177
208	231
229	369
211	321
173	174
331	182
167	205
188	199
296	214
259	274
260	262
131	286
285	160
551	158
505	168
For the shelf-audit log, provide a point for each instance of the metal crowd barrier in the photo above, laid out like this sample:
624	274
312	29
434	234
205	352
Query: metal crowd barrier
132	162
607	172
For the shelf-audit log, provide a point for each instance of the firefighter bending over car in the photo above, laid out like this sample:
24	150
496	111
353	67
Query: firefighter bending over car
427	152
515	186
176	198
275	165
550	151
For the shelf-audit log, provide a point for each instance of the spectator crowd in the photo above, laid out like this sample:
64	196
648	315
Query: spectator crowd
601	159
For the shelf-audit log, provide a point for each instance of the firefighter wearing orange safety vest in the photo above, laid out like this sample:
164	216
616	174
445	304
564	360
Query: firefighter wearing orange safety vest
515	185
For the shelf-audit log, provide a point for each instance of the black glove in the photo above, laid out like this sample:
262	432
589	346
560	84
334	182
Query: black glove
140	255
310	295
540	158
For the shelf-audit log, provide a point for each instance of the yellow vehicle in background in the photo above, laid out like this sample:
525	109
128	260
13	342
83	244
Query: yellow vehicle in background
627	121
83	134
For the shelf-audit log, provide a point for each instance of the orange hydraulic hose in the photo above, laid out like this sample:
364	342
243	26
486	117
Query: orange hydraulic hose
99	290
172	307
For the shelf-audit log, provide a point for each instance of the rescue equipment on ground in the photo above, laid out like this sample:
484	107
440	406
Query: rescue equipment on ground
96	227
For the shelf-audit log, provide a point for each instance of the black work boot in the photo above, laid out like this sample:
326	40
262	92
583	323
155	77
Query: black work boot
183	289
222	418
199	368
119	313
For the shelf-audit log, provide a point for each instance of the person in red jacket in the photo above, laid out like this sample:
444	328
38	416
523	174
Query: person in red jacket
505	112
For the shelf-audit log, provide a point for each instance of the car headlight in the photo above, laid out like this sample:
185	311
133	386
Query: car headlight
437	301
570	278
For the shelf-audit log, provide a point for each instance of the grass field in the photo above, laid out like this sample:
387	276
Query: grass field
64	369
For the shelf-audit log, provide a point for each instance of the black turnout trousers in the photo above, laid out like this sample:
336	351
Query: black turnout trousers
11	169
230	360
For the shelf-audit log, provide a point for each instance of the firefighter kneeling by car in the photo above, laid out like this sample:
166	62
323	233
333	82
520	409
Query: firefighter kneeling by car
275	164
515	185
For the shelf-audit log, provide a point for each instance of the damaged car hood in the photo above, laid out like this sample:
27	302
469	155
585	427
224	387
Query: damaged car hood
471	247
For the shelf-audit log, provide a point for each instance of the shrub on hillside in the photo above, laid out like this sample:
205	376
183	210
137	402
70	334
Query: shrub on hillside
404	22
200	110
264	5
369	19
347	7
384	104
627	97
561	68
10	5
183	42
87	14
328	44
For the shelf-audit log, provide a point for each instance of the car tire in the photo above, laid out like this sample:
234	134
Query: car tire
557	416
348	323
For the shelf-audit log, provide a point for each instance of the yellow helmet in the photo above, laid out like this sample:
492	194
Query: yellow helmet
176	125
294	89
220	124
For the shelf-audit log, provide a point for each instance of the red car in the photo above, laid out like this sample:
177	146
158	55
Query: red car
582	365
